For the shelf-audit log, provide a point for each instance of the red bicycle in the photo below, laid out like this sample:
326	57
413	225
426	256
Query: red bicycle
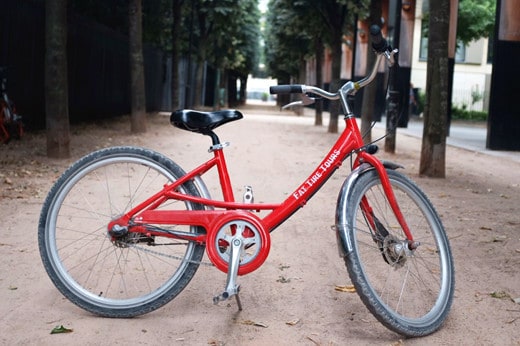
124	229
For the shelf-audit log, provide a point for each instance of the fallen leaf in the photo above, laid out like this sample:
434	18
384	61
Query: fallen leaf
283	279
499	238
12	288
253	323
293	323
60	330
314	341
346	288
485	228
500	295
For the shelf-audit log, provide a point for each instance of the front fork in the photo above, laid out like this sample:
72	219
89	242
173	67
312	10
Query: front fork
389	192
365	162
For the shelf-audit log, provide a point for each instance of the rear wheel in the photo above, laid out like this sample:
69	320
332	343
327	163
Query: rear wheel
133	274
410	291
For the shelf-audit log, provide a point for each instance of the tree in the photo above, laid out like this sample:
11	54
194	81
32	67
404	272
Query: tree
288	41
334	15
137	91
56	82
243	50
225	34
370	91
312	28
340	18
333	20
476	19
433	151
176	49
283	46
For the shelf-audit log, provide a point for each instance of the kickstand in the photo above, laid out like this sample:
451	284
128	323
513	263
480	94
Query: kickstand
239	303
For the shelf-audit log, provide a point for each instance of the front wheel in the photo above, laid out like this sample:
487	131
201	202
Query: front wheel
134	274
408	290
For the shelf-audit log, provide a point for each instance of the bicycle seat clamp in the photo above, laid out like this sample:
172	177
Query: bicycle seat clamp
218	146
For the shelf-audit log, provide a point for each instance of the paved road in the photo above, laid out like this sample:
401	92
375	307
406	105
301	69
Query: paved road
466	136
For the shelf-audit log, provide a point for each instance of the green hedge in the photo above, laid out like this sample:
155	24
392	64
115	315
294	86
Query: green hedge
463	114
456	112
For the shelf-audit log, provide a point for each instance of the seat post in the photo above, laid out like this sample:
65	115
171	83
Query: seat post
214	138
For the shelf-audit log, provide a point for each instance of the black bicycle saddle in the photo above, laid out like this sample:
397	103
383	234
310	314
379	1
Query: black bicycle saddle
202	122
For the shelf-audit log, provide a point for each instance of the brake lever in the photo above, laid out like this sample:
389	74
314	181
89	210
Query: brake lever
305	101
390	56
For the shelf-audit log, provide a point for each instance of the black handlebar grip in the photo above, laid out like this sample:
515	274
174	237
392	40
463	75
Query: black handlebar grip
286	89
379	43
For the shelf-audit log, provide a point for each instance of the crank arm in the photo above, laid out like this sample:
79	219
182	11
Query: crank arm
232	288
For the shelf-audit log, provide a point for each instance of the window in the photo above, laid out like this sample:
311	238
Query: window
460	53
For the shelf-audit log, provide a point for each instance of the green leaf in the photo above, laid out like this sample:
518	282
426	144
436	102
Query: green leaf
61	330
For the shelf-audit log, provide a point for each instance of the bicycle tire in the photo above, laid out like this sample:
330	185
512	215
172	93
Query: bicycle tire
411	295
98	275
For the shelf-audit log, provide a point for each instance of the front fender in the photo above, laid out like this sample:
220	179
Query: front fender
341	222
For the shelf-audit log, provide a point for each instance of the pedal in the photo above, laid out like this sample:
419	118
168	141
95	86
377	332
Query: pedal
226	295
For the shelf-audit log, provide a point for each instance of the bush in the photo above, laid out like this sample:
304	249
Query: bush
464	114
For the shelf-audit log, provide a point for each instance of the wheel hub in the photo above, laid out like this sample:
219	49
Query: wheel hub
395	251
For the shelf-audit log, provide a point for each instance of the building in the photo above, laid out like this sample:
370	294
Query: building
472	72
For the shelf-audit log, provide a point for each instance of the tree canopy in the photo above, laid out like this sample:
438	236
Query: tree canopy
476	19
232	27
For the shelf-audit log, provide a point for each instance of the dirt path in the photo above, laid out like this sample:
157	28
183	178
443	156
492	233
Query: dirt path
290	300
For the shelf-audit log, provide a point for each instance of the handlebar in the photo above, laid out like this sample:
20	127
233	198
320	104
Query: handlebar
379	43
380	47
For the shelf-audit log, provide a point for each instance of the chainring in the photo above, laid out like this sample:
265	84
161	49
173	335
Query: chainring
256	242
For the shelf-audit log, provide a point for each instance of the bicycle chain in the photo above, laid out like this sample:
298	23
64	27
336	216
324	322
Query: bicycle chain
182	259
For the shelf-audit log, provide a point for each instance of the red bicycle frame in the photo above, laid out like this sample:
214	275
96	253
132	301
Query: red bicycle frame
348	143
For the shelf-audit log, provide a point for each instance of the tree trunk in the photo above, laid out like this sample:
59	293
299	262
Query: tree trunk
368	102
370	91
56	83
318	117
199	77
176	51
334	107
137	91
433	151
302	77
243	90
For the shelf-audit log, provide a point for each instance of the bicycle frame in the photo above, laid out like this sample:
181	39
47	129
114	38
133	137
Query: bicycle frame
348	143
